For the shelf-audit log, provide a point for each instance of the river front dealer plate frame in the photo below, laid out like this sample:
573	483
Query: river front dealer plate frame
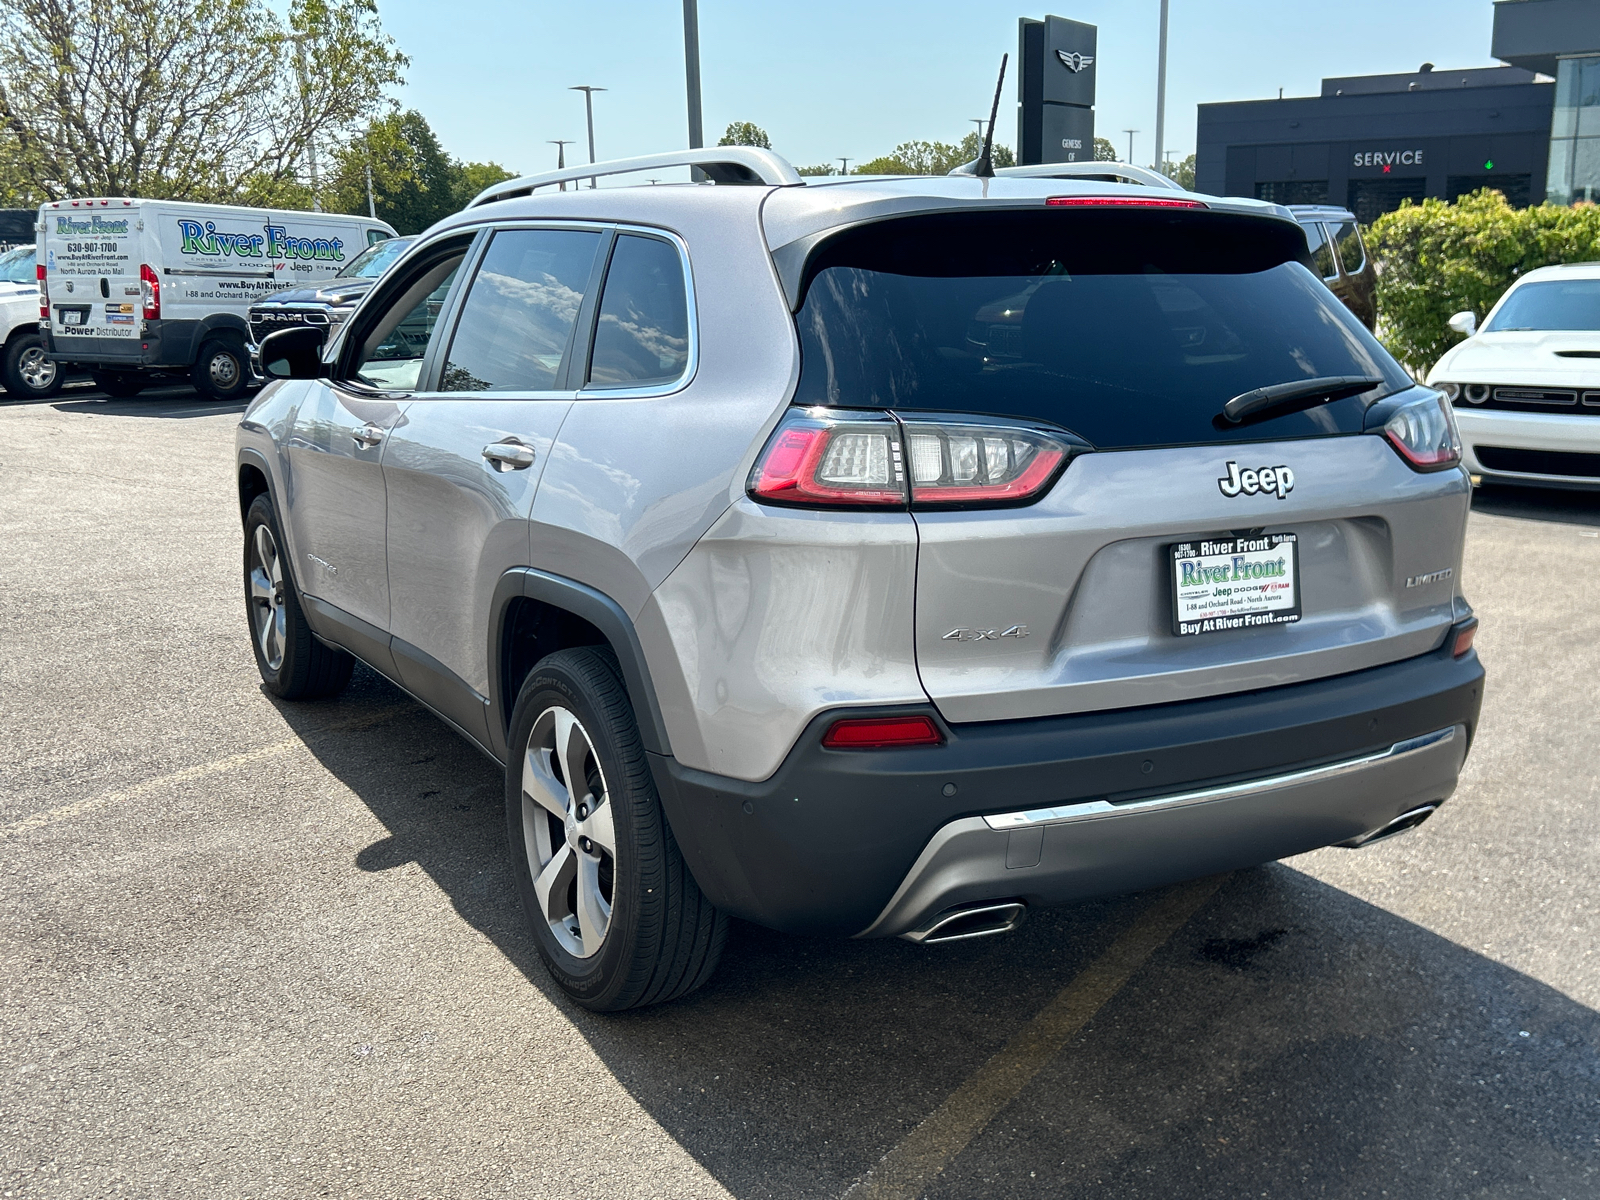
1240	556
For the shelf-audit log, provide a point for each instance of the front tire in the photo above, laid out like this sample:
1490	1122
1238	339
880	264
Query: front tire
618	919
222	372
293	664
28	374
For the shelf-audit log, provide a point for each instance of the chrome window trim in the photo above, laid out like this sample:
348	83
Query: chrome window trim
1091	810
691	364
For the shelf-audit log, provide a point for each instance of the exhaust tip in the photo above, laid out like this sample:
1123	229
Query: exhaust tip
970	921
1404	823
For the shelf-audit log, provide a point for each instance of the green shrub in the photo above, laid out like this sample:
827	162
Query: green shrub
1436	259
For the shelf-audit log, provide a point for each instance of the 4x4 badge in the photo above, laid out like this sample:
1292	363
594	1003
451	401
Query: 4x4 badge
985	635
1265	480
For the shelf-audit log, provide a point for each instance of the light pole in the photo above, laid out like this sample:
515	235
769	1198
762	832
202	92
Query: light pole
1161	90
1130	133
588	91
844	166
691	71
561	145
980	122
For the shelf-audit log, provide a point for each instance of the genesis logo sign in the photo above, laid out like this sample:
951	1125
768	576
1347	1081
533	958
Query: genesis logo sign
1075	62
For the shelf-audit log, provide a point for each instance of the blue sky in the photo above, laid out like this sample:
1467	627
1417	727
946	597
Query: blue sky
854	77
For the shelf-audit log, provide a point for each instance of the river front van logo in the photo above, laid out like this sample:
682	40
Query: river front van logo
275	242
92	225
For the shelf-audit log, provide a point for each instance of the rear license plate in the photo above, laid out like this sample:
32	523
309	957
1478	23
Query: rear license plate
1235	583
72	316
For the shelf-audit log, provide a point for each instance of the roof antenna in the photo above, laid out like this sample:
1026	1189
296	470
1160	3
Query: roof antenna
983	165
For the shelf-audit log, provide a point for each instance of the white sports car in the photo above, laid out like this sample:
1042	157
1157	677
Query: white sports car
1526	387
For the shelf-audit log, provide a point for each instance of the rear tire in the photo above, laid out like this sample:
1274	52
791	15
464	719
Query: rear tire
222	371
28	374
121	384
618	925
293	664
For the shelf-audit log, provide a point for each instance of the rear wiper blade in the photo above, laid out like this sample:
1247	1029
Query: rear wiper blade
1322	391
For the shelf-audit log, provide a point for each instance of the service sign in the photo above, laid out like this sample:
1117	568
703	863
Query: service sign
1235	583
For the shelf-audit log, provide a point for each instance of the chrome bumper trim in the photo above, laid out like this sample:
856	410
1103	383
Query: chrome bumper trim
1090	810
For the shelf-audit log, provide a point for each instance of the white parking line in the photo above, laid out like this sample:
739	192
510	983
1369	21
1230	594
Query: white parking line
907	1170
79	807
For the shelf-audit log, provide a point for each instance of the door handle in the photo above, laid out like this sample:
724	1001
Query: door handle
509	455
367	435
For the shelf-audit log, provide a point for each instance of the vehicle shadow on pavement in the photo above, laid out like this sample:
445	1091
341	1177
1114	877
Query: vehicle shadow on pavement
1290	1040
174	402
1562	505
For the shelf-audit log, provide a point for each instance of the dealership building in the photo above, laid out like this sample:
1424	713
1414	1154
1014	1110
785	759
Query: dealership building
1530	128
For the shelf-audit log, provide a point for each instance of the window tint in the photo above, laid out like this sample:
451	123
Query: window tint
1348	238
1321	250
1550	304
517	320
643	333
1128	329
395	363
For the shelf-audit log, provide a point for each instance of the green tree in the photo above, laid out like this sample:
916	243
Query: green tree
1435	259
473	177
413	179
1181	173
1104	151
819	169
191	99
934	158
745	133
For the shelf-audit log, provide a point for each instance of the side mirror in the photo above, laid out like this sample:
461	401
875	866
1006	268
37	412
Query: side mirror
294	353
1464	323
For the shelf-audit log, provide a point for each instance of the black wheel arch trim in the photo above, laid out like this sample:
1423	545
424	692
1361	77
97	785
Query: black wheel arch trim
601	611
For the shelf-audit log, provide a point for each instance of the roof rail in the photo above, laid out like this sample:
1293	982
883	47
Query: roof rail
1126	172
720	164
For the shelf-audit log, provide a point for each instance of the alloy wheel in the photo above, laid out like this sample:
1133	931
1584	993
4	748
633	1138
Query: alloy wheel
266	597
568	832
37	371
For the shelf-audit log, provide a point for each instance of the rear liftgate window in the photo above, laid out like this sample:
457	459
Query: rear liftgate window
1130	329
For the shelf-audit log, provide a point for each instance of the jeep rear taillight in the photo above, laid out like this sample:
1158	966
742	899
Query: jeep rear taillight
150	292
830	459
833	458
1424	432
987	464
44	294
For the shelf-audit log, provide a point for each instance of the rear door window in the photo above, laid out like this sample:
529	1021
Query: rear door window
516	323
1129	328
642	335
1321	250
1347	236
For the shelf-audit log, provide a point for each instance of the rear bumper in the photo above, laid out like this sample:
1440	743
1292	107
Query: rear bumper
1055	855
163	344
1536	448
873	842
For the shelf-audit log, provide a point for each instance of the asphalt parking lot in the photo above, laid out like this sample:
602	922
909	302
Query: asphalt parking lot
252	949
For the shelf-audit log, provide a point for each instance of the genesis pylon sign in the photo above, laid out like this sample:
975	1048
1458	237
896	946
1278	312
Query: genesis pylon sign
1055	90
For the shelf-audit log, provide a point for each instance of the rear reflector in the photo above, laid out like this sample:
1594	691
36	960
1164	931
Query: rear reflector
878	733
44	294
1119	202
1464	635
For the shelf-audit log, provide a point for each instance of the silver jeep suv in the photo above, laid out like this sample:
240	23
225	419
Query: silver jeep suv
869	556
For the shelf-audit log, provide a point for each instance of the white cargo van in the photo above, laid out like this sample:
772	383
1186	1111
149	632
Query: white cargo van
140	288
